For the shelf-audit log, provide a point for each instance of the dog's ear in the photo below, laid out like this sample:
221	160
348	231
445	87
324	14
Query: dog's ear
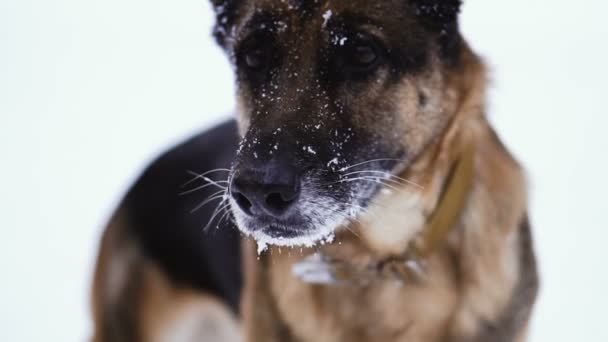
438	13
225	12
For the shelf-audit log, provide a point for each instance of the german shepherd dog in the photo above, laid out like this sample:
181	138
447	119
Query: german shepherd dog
383	205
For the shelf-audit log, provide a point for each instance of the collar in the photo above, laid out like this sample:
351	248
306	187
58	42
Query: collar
320	269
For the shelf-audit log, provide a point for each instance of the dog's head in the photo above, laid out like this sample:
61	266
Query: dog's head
336	98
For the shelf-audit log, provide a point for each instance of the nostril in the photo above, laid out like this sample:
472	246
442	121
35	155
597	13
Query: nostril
243	202
276	202
266	194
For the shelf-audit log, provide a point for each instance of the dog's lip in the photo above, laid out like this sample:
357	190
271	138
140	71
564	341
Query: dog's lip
277	228
273	235
295	231
279	232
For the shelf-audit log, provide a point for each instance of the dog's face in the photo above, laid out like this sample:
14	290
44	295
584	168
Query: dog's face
336	98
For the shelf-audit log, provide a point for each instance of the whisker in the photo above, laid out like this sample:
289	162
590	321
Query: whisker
372	180
230	181
223	217
347	227
218	195
388	176
380	180
203	176
377	180
370	161
341	215
352	231
393	181
345	203
215	213
203	187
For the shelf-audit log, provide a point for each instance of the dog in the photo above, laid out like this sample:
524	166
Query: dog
361	194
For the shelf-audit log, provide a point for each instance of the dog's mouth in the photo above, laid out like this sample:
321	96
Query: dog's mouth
281	235
319	210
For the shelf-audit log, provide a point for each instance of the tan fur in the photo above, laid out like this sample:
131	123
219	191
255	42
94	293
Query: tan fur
116	262
173	314
133	299
469	280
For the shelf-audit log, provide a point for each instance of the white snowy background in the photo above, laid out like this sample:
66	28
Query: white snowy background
90	91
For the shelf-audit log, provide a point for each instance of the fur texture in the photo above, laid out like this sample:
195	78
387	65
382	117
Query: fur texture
368	104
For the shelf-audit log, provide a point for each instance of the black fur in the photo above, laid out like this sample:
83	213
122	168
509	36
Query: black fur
441	18
171	235
438	12
226	12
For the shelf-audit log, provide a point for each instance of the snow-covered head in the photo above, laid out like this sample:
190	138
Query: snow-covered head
333	96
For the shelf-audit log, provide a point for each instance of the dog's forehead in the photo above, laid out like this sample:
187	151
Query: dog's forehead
311	5
326	10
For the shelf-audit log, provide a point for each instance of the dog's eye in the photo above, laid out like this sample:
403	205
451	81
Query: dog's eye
358	56
255	58
363	55
255	54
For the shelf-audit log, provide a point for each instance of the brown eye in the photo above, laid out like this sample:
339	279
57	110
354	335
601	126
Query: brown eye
256	53
364	55
254	59
359	56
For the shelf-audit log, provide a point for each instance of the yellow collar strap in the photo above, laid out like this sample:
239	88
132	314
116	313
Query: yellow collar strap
450	206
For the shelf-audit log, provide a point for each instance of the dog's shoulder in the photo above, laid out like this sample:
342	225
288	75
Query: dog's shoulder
163	218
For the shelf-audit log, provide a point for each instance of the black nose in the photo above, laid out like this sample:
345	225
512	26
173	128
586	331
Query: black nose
270	190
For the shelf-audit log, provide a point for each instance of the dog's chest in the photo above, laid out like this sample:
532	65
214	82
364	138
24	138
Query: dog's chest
384	310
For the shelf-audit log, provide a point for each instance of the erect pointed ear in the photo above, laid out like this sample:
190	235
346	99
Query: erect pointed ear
438	12
226	13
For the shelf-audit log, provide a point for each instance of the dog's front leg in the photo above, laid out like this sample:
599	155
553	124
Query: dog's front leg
261	321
